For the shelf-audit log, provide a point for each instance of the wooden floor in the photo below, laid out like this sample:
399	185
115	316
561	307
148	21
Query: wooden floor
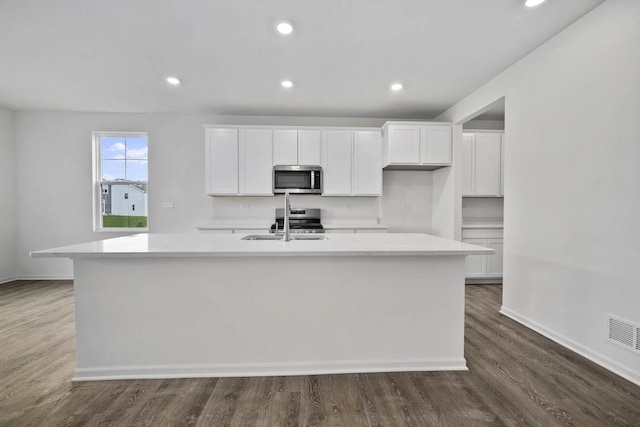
516	377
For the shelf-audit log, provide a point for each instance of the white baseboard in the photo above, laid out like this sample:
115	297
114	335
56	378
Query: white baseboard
595	357
44	277
266	369
8	279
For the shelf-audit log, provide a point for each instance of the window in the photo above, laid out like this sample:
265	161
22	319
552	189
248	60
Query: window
120	165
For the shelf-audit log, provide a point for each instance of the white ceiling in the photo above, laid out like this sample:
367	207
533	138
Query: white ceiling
113	55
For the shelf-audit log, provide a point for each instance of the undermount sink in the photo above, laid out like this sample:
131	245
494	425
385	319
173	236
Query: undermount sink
276	238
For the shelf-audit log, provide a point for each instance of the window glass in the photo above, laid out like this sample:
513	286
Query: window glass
122	180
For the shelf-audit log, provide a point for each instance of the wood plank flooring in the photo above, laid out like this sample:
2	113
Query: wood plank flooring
516	377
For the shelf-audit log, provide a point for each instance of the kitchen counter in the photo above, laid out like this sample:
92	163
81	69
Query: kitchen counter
212	305
225	245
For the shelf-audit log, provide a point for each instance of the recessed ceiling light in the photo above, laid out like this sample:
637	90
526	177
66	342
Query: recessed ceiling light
286	83
532	3
173	80
284	27
396	87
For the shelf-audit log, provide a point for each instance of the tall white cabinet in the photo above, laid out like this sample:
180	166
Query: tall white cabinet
482	164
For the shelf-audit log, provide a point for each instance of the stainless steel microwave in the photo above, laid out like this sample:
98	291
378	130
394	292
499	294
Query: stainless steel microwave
297	179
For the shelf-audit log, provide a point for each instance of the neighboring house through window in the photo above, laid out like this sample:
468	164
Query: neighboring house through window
120	165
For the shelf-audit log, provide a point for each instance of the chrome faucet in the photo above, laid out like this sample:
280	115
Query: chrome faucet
287	211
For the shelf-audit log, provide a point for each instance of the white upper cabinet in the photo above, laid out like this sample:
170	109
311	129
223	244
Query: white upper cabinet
367	163
221	161
296	147
416	145
309	148
404	144
482	164
285	147
240	161
435	145
336	162
256	163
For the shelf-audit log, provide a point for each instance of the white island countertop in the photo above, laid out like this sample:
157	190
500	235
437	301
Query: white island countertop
231	245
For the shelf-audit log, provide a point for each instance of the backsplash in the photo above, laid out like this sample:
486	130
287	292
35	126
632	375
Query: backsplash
263	208
405	206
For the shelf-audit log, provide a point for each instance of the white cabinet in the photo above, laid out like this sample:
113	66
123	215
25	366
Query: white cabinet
221	161
309	147
255	163
337	157
296	147
238	162
435	145
285	147
404	144
481	160
367	163
351	163
416	145
484	266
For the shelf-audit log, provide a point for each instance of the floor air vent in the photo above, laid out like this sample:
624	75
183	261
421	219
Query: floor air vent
624	333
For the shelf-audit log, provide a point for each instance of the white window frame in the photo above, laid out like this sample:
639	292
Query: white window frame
97	181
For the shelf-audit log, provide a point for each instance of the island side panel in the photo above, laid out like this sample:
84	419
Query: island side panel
236	316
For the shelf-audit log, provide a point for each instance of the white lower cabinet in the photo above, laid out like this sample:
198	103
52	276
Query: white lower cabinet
484	266
355	230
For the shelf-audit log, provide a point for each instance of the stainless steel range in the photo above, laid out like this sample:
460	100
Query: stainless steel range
300	221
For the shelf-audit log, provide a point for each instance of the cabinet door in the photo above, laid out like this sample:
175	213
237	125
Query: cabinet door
476	265
435	145
309	147
256	165
468	164
494	262
404	144
502	165
222	161
367	163
487	164
336	163
285	147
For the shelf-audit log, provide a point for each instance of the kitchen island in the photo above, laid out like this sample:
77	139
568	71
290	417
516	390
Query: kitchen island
202	305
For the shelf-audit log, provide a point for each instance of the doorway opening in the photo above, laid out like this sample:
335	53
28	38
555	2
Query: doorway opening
480	172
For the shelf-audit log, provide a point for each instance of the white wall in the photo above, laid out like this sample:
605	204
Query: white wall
7	197
54	181
477	124
572	182
406	201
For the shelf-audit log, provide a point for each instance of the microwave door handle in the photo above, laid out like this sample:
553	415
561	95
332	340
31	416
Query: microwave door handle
313	180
